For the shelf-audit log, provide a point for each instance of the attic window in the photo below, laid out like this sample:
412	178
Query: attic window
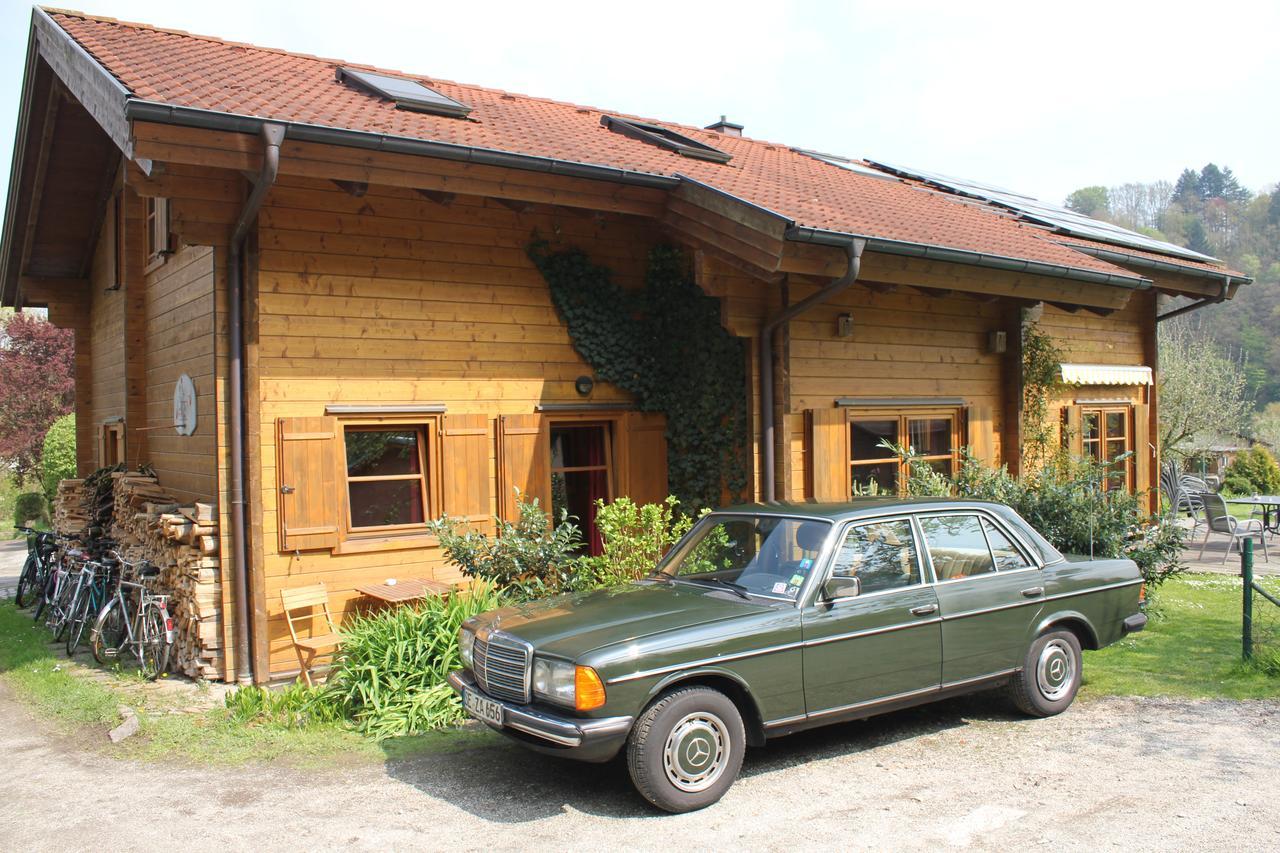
665	137
408	94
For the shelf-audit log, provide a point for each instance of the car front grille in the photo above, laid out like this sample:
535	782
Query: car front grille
502	666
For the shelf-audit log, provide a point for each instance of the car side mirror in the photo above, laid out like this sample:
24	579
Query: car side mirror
841	586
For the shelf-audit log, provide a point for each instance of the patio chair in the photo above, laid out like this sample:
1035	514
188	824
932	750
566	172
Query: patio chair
1220	520
313	645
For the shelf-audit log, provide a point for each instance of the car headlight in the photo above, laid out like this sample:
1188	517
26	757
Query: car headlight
578	687
466	642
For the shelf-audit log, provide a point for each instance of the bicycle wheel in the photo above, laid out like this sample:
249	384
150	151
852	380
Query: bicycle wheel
25	595
46	593
67	597
155	651
79	619
108	633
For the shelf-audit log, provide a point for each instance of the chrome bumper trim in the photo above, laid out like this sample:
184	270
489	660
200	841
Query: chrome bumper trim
557	730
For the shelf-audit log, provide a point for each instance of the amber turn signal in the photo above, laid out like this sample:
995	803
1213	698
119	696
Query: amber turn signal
588	689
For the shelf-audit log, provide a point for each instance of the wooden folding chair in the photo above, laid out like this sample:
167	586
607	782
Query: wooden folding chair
308	598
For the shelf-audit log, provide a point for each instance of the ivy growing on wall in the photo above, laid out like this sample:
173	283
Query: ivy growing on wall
665	345
1041	378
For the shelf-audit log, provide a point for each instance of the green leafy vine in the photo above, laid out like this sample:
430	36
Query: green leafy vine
665	345
1041	378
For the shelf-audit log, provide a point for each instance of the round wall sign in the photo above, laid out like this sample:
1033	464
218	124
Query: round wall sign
184	405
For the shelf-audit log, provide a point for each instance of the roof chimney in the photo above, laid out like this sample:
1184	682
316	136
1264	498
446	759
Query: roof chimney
726	127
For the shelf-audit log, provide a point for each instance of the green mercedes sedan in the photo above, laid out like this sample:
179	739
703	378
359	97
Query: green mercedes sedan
768	619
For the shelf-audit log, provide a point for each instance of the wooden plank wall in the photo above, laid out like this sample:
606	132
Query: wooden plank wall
179	339
106	359
391	298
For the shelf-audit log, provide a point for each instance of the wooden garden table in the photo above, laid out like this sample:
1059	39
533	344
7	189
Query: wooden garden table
402	591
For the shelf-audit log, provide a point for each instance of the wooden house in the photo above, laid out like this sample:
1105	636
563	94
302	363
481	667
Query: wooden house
335	258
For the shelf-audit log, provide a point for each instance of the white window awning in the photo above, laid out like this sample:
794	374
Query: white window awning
1106	374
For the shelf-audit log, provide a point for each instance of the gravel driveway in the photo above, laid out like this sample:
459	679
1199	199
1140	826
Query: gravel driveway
1114	773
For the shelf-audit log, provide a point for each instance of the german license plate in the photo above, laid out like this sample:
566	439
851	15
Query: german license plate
481	707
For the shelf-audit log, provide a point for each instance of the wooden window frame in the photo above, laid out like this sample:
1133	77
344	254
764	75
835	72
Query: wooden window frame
352	539
156	232
111	435
1125	410
904	416
610	466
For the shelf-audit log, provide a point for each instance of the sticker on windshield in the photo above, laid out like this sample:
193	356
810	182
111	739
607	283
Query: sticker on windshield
780	588
796	580
793	591
806	564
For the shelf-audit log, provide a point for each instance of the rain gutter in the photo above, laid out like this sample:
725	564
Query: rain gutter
805	234
1154	264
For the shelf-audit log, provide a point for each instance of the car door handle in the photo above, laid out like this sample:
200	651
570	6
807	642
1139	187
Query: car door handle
924	610
1033	592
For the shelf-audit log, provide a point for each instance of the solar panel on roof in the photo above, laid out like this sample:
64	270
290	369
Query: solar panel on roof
408	94
1058	218
846	163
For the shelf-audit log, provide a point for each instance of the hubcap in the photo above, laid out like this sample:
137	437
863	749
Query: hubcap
1056	670
696	751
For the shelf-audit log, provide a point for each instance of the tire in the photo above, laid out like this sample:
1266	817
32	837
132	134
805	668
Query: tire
25	595
1050	676
67	596
108	633
686	749
75	625
155	648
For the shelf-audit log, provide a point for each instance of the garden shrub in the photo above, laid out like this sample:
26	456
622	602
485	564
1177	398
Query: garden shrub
1256	467
31	506
635	537
1066	503
528	557
389	676
58	461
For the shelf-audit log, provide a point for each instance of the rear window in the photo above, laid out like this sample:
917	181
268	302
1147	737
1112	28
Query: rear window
1047	553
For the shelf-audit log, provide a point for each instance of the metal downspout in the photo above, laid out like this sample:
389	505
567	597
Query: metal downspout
272	136
768	473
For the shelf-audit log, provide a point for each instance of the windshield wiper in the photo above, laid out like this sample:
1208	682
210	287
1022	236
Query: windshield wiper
736	588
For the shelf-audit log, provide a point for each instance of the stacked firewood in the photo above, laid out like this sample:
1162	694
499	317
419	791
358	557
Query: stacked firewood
182	540
147	523
69	514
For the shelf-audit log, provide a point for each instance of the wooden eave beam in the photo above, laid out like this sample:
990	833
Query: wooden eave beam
52	102
827	262
440	198
200	147
355	189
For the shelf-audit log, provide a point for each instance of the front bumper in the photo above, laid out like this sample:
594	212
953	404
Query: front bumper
582	739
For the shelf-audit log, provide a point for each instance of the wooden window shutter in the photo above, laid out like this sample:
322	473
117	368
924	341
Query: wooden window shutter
524	449
981	434
465	464
646	463
1142	452
310	497
1073	423
829	455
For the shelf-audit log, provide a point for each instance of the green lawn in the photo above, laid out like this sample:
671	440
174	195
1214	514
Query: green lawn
1191	647
72	700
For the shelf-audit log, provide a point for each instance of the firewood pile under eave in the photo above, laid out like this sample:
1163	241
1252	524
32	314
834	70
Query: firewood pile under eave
182	540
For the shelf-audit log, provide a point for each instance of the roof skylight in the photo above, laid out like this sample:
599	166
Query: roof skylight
408	94
665	137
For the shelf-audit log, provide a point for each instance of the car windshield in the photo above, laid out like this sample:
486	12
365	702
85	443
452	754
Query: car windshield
750	555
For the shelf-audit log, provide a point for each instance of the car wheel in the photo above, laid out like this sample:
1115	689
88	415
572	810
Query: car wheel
1050	675
686	749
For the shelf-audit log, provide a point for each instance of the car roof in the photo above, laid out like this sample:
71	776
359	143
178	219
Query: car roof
854	508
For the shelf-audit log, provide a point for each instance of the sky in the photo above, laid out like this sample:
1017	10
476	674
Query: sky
1042	98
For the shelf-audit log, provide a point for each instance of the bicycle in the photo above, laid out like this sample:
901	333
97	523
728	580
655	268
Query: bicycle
90	596
41	547
134	619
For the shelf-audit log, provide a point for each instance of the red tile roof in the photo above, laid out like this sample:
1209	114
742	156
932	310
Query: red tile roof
178	68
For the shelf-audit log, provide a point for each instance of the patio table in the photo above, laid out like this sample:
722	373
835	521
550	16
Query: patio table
1270	509
404	590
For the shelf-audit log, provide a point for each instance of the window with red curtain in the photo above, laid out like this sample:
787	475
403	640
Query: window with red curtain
581	475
